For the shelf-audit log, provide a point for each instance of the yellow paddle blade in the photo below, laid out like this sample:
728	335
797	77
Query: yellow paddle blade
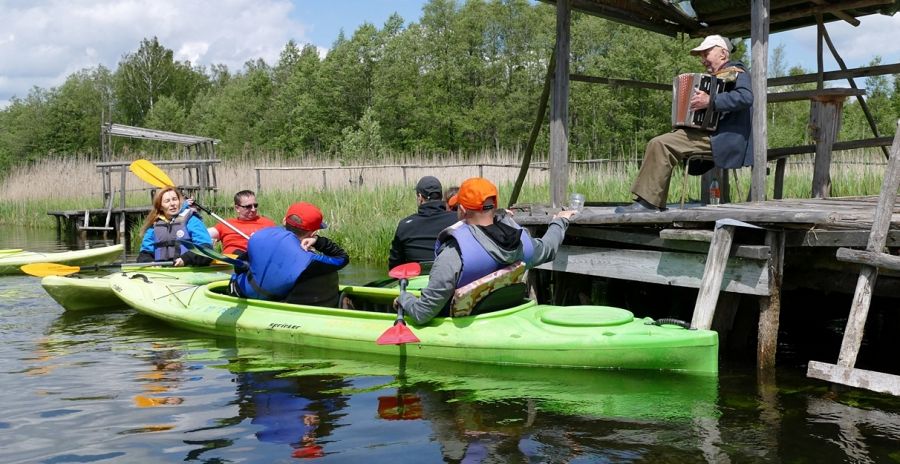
150	173
49	269
8	251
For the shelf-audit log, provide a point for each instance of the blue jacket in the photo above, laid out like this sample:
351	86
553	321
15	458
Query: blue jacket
195	228
731	144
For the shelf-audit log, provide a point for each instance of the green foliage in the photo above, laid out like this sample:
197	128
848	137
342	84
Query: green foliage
362	144
463	79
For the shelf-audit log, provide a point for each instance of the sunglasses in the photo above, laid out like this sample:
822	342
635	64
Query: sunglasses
251	205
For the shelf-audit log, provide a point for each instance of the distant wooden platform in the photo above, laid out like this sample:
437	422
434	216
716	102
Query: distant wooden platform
99	220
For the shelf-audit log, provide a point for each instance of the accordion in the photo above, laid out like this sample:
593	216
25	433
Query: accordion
684	86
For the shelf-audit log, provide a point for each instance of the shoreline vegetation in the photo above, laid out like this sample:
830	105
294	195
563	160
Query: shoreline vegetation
362	216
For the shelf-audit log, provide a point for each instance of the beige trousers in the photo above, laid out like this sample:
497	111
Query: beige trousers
663	152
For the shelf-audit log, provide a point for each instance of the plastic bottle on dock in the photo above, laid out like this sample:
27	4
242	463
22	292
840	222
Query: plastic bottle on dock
714	192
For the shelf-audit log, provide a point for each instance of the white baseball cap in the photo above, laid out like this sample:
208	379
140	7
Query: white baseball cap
711	41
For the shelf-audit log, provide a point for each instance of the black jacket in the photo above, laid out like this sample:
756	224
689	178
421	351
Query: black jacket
416	234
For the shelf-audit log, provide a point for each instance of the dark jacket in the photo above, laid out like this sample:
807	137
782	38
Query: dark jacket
318	285
416	234
731	144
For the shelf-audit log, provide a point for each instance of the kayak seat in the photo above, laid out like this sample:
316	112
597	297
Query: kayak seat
502	298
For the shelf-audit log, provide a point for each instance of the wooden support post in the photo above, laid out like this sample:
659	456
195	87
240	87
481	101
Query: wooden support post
779	178
559	110
770	306
824	124
759	38
258	181
705	308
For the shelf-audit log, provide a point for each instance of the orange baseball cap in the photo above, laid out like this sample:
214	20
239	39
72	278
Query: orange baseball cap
473	193
304	216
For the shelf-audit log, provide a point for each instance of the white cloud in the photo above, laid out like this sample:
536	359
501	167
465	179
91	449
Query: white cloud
44	41
857	46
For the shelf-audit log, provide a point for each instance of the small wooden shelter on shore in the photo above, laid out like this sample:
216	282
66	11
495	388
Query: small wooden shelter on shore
738	249
198	179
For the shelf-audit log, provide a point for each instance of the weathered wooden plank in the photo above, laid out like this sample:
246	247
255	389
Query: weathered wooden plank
743	276
759	135
559	109
825	123
859	378
713	273
651	239
815	95
837	238
694	235
870	258
866	71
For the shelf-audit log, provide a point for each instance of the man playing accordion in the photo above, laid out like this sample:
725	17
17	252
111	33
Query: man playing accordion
729	143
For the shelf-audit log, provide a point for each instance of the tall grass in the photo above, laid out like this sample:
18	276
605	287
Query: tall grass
363	216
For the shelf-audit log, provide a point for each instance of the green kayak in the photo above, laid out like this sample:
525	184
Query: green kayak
529	334
80	293
12	260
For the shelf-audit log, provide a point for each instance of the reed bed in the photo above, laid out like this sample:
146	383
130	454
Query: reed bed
363	214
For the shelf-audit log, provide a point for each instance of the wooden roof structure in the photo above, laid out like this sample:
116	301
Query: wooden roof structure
695	18
728	17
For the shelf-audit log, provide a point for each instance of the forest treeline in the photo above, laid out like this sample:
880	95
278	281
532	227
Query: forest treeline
464	79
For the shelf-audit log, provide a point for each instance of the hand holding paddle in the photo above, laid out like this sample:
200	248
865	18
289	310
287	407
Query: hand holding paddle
211	253
399	333
55	269
153	175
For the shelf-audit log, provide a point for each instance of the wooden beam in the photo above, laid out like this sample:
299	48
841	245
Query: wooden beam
759	24
869	258
535	130
795	13
759	252
825	122
859	378
620	82
559	110
659	267
815	95
776	153
713	273
840	14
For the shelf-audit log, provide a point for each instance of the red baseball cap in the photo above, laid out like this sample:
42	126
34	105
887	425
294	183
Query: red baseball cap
473	192
304	216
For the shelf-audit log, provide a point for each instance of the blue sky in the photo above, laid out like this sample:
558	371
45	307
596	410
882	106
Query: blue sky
43	41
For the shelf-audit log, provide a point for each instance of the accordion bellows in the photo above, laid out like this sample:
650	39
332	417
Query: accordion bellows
684	86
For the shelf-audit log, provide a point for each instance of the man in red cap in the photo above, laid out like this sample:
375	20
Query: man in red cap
483	242
292	263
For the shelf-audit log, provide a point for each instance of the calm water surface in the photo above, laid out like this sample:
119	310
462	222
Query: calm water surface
115	386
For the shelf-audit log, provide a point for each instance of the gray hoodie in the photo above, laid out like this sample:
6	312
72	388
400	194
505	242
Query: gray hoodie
448	265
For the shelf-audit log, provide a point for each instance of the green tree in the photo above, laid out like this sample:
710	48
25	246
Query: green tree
363	143
142	78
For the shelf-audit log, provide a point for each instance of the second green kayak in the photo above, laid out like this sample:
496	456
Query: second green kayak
81	293
528	334
12	260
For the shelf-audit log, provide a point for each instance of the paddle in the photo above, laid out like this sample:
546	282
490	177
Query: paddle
55	269
211	253
153	175
399	333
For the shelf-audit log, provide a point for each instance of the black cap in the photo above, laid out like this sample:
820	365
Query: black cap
430	188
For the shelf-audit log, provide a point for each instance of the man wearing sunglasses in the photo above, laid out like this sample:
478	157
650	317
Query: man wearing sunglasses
247	221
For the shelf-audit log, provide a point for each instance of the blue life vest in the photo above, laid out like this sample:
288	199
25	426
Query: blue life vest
167	234
476	261
276	262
